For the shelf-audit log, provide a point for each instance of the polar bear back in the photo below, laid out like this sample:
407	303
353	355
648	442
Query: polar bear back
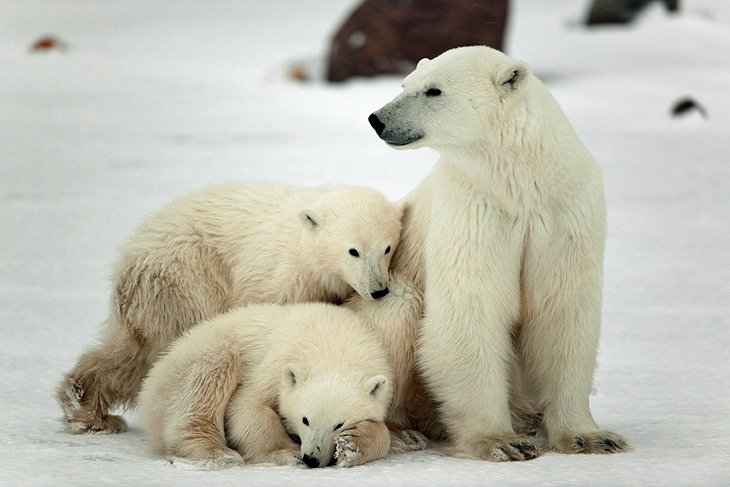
252	238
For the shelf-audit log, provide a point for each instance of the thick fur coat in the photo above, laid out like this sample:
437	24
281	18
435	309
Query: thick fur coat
262	378
213	250
505	238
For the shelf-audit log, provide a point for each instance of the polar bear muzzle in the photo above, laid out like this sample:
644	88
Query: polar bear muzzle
380	293
390	130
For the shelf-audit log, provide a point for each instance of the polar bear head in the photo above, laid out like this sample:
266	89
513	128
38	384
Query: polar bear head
352	234
465	98
318	409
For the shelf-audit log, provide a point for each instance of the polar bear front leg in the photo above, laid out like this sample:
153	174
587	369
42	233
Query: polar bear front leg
465	347
364	442
558	341
257	433
465	362
406	440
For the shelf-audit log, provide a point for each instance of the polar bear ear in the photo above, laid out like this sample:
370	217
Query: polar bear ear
405	209
422	62
291	375
310	218
376	386
511	77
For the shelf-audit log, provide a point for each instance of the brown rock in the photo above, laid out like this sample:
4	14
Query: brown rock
622	11
48	43
391	36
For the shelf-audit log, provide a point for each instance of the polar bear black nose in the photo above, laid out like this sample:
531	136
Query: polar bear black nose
379	294
310	461
376	123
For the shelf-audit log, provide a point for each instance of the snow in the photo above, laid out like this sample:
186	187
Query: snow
152	99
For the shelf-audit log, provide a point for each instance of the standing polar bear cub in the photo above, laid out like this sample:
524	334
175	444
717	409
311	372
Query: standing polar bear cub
234	379
506	239
216	249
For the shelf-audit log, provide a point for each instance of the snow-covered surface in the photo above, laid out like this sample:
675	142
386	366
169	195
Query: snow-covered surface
152	99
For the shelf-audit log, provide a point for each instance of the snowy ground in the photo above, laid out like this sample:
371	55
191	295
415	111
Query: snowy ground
152	99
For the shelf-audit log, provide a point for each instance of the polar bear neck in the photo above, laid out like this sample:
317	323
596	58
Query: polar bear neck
537	147
310	281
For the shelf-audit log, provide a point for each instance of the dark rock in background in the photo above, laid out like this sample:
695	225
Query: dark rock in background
391	36
48	43
622	11
687	105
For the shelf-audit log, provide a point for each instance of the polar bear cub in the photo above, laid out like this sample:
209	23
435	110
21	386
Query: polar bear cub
213	250
505	238
262	377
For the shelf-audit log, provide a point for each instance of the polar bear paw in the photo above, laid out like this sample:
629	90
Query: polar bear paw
509	448
278	458
402	441
347	453
220	459
403	289
595	442
109	424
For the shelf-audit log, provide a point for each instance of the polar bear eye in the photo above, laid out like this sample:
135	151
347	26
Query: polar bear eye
339	426
305	421
295	438
387	250
354	253
433	92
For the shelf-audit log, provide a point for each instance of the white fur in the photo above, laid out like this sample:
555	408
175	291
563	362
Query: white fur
506	237
261	363
395	319
280	243
226	246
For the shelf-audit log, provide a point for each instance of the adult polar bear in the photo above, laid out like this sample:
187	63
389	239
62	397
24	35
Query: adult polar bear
506	237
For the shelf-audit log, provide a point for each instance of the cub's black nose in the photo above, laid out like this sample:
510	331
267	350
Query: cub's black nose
377	124
311	462
379	294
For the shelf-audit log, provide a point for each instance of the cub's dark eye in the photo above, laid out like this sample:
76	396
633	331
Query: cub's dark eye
295	438
433	92
305	421
387	250
339	426
354	253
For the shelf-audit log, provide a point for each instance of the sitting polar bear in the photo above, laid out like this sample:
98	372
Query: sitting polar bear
505	238
234	379
223	247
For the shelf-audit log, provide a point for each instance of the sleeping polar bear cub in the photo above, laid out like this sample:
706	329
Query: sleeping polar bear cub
505	237
219	396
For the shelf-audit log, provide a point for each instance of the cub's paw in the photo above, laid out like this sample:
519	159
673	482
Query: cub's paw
221	459
109	424
69	395
347	453
218	459
510	448
595	442
402	441
278	458
403	289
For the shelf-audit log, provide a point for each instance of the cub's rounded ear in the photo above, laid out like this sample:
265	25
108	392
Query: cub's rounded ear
405	208
512	76
422	62
377	386
310	218
292	375
402	209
